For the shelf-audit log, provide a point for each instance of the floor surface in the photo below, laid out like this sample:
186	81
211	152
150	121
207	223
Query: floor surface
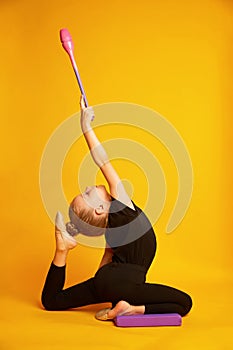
209	326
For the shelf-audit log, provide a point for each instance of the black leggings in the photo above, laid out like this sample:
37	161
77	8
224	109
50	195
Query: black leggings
112	283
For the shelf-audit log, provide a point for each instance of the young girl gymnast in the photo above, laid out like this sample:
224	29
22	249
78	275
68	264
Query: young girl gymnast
130	249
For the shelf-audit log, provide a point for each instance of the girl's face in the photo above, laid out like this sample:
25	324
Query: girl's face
93	197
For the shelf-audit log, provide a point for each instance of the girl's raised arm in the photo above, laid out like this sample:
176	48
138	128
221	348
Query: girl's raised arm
100	156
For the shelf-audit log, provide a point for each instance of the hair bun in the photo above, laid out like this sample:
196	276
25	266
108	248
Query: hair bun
72	229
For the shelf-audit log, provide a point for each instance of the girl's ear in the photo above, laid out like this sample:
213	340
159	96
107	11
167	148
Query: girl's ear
99	210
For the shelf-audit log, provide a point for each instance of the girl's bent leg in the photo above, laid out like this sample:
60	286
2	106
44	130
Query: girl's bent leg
53	285
172	300
124	282
54	297
159	298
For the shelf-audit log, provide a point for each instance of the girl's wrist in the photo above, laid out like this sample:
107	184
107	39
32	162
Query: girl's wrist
85	127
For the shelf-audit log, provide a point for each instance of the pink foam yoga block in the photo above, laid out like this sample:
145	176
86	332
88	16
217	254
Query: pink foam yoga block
150	320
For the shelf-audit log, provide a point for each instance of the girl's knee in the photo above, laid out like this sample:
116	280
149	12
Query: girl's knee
187	304
49	304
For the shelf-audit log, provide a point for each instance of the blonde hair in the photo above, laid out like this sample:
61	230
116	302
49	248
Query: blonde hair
83	220
87	215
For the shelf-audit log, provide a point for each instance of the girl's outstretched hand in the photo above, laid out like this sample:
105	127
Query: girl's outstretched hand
87	115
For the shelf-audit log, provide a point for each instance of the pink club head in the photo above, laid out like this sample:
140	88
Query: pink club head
66	40
67	44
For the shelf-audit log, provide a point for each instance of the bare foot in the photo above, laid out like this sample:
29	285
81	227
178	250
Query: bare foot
121	308
124	308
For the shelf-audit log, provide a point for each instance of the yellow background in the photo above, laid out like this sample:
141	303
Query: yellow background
172	56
